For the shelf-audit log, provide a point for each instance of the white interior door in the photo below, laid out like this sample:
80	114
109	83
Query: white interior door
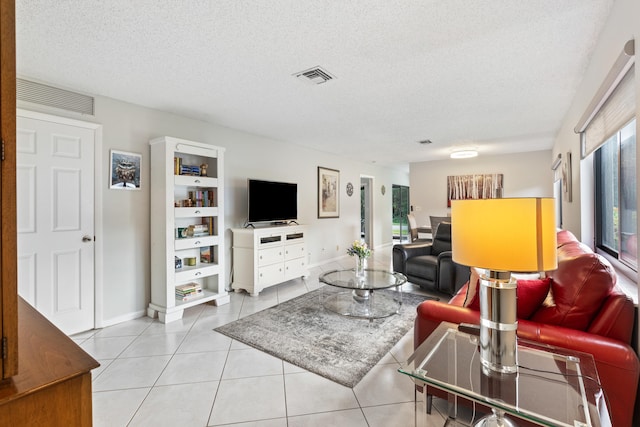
55	209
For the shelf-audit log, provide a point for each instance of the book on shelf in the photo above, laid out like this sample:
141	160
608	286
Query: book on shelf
202	198
189	170
198	230
188	287
190	296
177	164
208	223
188	290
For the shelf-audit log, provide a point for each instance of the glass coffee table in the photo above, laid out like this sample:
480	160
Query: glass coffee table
553	386
367	296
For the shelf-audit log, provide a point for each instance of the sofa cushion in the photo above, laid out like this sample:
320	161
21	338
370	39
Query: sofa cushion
530	294
424	266
581	284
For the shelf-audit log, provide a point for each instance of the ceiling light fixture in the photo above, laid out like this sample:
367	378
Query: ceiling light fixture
464	154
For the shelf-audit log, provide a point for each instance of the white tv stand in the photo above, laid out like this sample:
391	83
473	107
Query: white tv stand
267	256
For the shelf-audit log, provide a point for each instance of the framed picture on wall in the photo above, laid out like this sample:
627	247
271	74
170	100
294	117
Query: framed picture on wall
566	178
125	170
479	186
328	193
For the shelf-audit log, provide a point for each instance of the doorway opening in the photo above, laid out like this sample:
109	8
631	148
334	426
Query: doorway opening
400	209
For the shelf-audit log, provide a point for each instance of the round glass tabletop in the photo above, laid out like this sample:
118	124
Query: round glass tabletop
360	300
371	280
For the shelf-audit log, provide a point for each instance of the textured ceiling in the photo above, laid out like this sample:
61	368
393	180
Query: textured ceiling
495	74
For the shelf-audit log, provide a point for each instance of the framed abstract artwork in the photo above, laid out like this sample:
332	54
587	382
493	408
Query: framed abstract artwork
478	186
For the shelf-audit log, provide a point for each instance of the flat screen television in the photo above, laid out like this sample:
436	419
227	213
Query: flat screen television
271	201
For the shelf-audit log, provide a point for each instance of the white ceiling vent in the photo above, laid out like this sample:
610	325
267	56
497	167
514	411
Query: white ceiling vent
315	75
50	96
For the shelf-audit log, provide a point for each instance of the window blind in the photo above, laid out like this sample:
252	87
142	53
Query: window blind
613	106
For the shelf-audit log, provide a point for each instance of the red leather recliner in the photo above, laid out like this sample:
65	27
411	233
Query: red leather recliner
587	313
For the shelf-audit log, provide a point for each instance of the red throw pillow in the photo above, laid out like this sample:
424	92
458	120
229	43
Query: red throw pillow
530	295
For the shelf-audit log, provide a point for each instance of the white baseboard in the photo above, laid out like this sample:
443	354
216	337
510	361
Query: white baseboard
123	318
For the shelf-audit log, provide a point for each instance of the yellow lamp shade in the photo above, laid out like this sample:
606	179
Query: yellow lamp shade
511	234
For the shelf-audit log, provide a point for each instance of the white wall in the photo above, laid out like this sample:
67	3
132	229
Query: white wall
125	236
525	175
623	24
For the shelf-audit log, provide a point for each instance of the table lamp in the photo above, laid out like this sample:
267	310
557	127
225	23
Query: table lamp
502	236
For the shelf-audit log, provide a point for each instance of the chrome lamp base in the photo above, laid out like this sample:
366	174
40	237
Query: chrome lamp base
498	322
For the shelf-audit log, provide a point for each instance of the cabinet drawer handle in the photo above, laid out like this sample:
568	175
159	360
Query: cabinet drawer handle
197	242
197	212
198	273
197	181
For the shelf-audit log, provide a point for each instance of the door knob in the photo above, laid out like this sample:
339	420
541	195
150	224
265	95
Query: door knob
87	238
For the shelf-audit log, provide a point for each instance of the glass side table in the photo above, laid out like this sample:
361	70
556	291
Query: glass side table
356	296
553	386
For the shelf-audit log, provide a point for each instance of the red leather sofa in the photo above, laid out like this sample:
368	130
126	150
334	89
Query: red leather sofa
584	311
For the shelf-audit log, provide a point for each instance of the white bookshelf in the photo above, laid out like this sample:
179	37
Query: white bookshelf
171	217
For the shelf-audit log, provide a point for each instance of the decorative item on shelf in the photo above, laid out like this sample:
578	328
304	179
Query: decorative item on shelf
361	251
516	235
349	189
203	169
190	261
178	262
205	254
181	232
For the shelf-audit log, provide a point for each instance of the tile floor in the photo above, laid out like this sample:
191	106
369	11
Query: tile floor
185	374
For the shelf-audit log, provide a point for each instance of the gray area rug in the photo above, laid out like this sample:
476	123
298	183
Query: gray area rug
342	349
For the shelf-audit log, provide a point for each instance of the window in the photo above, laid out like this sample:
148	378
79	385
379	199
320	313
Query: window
616	204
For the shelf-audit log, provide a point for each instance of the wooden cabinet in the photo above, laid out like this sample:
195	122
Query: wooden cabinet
8	221
264	257
187	226
53	385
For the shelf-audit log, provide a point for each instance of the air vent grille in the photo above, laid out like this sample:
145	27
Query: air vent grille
50	96
315	75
